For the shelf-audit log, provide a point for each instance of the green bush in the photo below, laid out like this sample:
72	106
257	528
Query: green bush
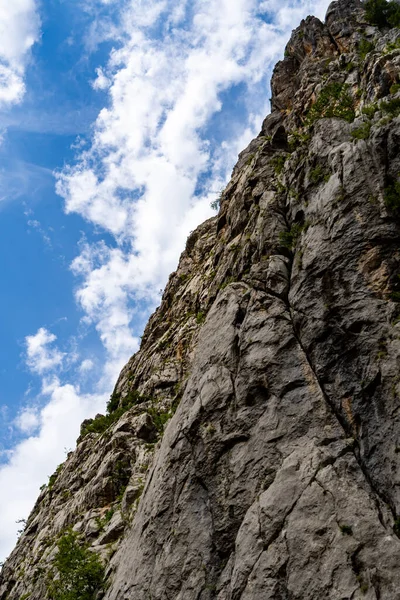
278	162
133	397
375	12
102	521
393	14
54	476
288	239
364	47
362	132
382	13
334	100
116	407
80	571
392	196
319	174
200	318
346	530
392	107
216	204
298	138
159	418
350	67
113	402
370	110
392	46
120	476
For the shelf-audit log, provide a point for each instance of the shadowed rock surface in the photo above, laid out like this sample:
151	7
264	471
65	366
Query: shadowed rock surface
258	454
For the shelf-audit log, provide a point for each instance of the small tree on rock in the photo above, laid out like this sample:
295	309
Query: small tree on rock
78	573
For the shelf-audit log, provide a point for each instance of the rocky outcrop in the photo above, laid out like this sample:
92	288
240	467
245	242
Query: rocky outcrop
254	448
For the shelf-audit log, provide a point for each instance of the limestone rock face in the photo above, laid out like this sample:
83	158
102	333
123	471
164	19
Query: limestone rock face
258	457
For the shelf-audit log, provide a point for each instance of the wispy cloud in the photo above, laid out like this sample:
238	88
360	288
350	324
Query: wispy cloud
147	177
35	224
19	178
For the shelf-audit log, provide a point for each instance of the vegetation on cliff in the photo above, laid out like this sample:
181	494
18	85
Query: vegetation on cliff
383	13
78	573
279	336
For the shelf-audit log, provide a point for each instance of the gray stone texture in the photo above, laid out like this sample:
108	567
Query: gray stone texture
278	340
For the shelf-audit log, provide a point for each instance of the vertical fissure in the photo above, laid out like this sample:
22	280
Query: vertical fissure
378	494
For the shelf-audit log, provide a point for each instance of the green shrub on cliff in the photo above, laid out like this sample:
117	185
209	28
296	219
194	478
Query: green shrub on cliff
391	107
288	239
392	196
383	13
362	132
375	12
364	47
116	407
334	100
78	573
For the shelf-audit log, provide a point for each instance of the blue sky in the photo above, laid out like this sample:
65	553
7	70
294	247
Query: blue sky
37	241
120	120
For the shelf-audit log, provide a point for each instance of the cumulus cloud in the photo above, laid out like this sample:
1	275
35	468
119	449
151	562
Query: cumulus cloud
35	458
86	365
187	89
28	420
40	356
154	165
19	30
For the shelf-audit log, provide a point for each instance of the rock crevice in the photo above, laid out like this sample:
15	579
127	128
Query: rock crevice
252	450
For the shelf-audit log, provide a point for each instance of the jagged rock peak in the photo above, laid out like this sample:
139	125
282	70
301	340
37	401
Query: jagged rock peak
251	446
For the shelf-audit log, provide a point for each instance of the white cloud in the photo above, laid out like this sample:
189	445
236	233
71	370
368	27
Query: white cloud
19	30
27	420
39	356
151	146
101	82
35	458
158	156
86	365
19	178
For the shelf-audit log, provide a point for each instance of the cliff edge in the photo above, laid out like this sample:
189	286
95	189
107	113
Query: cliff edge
251	448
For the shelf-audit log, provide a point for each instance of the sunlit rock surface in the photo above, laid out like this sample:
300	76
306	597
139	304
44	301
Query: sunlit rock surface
260	455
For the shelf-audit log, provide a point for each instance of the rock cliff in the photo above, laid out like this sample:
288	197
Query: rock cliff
251	446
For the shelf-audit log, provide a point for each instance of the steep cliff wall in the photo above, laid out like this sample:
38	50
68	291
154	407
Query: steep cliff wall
252	446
